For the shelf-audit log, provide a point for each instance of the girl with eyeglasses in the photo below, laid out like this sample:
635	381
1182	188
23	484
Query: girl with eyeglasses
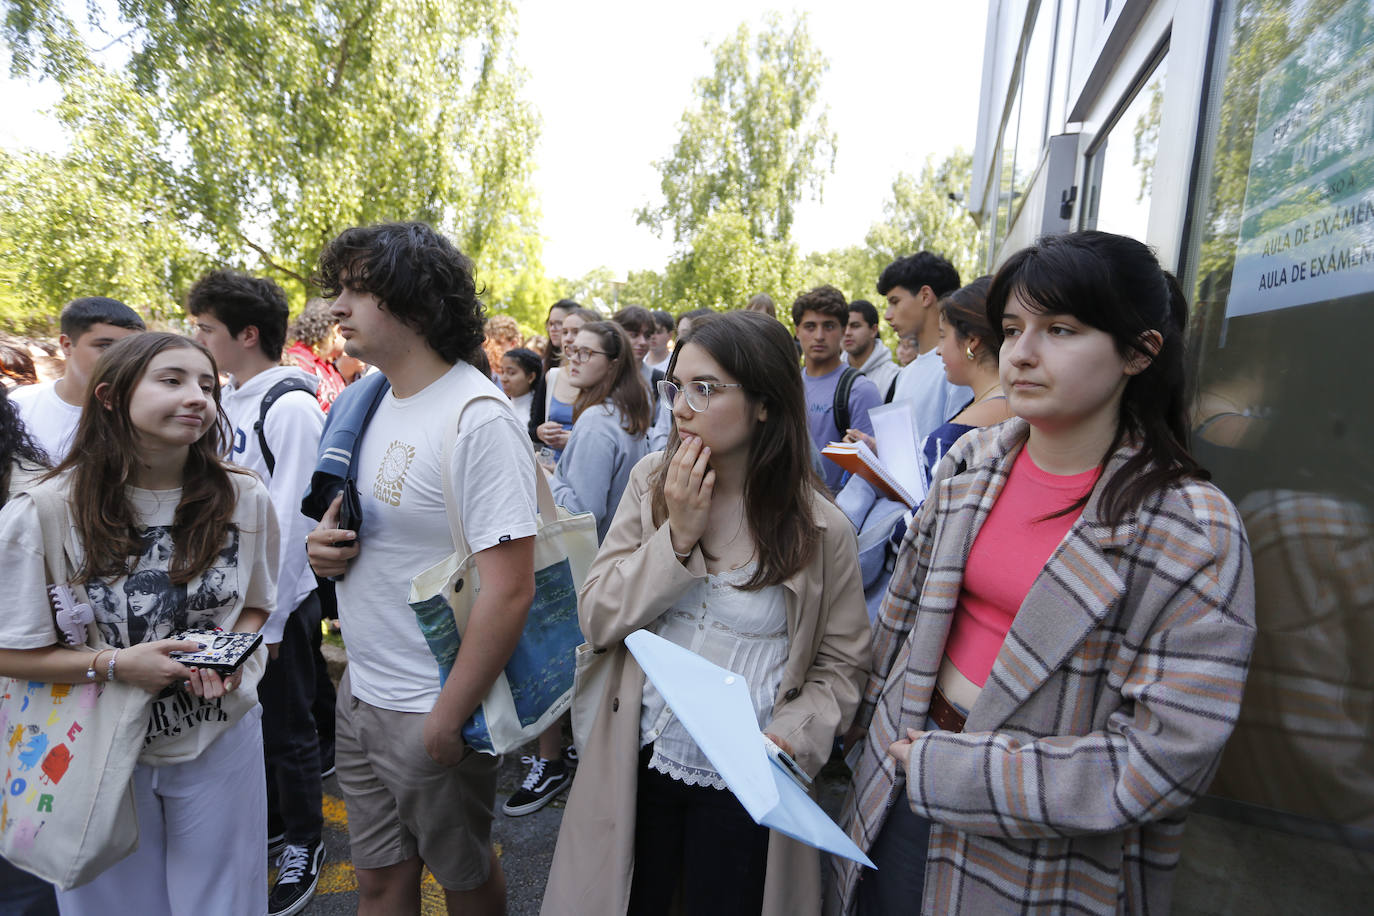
610	417
610	421
551	409
1061	654
727	544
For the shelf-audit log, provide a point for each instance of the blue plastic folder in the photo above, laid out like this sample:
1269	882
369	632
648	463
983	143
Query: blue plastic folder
713	705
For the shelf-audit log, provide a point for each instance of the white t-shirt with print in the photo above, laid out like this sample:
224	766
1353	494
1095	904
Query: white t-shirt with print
405	528
145	605
50	420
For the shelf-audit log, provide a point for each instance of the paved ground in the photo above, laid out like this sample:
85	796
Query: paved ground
524	844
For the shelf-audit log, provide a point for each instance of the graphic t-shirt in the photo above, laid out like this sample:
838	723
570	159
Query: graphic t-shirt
405	528
146	605
50	420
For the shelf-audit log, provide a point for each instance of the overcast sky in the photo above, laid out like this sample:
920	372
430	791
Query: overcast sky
611	79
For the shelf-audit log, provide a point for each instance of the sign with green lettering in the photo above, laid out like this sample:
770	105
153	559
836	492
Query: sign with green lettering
1307	228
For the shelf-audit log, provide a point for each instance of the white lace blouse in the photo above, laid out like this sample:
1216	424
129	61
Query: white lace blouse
743	632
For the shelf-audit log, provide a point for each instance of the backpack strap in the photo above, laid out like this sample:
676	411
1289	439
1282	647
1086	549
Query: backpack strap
840	405
290	383
891	390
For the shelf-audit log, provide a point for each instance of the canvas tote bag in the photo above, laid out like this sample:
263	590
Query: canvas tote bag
536	686
68	750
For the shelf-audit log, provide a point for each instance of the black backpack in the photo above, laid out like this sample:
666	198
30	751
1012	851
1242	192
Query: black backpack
840	406
292	383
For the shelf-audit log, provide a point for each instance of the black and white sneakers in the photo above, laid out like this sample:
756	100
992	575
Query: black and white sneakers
298	871
542	784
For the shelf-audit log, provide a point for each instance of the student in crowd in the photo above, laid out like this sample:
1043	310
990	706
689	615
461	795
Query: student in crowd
559	394
970	361
22	462
51	410
146	459
553	355
906	351
913	287
416	794
16	364
315	345
609	426
276	421
638	324
762	302
1062	654
727	544
688	318
820	316
881	522
660	342
865	351
521	371
501	334
609	436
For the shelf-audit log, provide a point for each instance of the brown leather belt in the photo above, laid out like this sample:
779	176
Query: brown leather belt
943	713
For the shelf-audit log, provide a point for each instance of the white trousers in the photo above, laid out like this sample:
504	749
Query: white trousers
202	837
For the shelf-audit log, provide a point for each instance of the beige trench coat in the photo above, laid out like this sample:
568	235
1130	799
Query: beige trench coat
636	578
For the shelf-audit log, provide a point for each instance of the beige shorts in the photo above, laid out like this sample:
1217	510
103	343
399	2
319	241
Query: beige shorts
402	804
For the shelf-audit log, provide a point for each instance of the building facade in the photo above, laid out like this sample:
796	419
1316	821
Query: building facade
1236	137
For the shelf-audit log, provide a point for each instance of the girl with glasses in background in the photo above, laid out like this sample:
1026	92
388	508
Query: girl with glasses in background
725	543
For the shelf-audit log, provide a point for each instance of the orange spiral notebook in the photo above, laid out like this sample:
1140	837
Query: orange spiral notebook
858	458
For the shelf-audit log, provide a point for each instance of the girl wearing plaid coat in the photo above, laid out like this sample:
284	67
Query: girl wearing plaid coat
1107	705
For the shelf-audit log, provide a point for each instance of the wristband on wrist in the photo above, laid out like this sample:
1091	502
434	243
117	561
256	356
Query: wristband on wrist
110	671
90	669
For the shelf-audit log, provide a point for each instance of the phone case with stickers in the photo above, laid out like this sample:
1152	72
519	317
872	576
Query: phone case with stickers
223	652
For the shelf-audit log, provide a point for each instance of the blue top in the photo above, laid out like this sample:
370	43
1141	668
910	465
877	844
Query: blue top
560	412
938	443
820	414
595	467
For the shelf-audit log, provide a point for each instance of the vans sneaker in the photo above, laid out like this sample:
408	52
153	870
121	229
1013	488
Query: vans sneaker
544	781
298	871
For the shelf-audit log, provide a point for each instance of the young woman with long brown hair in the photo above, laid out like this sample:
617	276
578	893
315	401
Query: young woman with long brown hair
727	544
611	419
145	467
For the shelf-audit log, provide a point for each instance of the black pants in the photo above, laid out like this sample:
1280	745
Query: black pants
699	838
22	894
325	698
290	745
900	854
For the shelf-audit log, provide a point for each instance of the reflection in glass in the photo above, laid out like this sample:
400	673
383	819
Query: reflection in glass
1123	163
1282	419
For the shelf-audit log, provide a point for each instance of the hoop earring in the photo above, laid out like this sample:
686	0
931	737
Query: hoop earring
968	351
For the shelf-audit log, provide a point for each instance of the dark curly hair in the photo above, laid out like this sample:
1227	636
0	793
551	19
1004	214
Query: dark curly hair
418	276
16	445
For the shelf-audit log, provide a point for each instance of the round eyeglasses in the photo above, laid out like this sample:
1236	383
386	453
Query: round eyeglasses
698	394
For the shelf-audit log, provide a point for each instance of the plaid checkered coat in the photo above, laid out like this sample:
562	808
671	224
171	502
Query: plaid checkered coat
1104	715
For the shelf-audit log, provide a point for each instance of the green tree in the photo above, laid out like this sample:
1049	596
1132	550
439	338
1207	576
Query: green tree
277	125
927	213
755	141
